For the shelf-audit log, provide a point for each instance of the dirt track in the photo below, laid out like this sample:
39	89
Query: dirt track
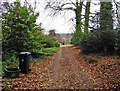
66	69
67	73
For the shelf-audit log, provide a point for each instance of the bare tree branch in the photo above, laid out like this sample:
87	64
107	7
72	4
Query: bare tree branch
72	3
117	11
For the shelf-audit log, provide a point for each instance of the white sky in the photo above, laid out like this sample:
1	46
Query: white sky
59	23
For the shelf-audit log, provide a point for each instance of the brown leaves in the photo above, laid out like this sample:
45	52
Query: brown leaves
69	69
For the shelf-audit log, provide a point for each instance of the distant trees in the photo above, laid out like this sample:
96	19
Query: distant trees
64	6
52	32
19	22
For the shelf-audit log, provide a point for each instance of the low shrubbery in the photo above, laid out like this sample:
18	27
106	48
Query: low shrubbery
101	42
49	51
48	42
11	61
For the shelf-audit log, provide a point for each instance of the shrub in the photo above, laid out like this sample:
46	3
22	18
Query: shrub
90	42
12	61
118	42
99	41
38	41
49	42
34	40
76	38
49	51
20	33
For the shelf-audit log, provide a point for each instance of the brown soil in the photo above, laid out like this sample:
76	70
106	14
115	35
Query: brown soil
69	69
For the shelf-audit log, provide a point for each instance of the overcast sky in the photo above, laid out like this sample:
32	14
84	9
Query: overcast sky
59	23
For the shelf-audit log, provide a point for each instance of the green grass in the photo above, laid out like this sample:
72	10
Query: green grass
49	51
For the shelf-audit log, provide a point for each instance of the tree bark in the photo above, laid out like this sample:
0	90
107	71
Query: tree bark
78	14
87	13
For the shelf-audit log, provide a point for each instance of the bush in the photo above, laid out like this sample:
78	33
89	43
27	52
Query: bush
34	40
20	33
76	38
49	42
49	51
99	42
38	41
11	62
90	43
118	42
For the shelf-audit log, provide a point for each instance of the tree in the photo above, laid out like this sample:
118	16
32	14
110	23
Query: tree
78	14
17	21
87	13
94	21
65	6
117	5
106	16
52	32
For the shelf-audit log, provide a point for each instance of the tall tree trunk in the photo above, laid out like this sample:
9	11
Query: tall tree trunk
87	13
106	16
78	31
78	12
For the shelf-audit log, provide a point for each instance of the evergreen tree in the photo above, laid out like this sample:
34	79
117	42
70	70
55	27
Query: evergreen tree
106	16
